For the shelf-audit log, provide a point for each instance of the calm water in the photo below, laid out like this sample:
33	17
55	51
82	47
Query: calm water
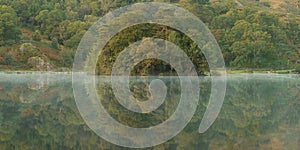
259	112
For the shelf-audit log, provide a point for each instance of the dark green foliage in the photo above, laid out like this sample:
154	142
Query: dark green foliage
256	112
256	39
249	34
36	36
150	66
267	4
9	33
8	59
67	57
54	43
297	68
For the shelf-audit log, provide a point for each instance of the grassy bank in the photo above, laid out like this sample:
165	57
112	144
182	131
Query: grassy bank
284	71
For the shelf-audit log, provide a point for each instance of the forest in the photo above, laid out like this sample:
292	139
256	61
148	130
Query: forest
43	35
39	111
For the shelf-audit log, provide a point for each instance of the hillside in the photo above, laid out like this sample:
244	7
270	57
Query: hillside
283	8
287	6
255	34
30	55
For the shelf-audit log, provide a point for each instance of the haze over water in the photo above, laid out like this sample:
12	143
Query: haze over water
260	111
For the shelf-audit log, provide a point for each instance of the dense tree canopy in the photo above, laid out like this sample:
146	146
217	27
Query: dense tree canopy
250	35
8	25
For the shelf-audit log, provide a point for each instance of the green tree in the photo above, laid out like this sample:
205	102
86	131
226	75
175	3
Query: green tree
265	19
200	1
67	57
9	32
71	32
41	18
49	22
223	22
54	43
251	46
8	59
293	31
36	35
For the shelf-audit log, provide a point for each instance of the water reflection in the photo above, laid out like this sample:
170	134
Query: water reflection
259	112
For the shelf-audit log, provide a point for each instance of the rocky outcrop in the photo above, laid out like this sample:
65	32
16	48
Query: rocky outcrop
40	64
64	69
26	47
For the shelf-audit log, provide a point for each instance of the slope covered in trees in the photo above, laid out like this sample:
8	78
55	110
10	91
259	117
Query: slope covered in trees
251	34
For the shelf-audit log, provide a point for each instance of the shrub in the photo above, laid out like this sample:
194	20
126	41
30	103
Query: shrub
54	43
36	36
8	59
67	56
267	4
297	68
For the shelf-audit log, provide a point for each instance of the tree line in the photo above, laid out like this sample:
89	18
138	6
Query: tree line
249	37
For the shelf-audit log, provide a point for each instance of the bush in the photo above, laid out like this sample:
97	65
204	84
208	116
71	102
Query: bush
67	56
8	59
267	4
25	38
54	43
297	68
36	36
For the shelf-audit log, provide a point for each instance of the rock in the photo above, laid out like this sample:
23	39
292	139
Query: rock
64	69
49	67
40	64
26	47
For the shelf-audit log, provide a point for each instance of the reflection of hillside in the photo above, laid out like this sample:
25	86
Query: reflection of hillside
140	91
258	113
41	81
28	88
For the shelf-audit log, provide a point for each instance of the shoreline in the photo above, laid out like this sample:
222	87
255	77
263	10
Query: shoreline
228	71
32	72
262	71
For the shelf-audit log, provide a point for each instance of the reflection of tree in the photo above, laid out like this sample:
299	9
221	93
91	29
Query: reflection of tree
254	111
139	91
8	127
257	113
40	82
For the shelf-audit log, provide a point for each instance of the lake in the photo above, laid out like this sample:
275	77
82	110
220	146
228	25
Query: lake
260	111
